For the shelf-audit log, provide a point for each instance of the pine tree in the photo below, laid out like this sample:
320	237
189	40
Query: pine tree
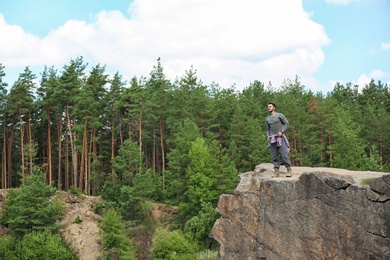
32	207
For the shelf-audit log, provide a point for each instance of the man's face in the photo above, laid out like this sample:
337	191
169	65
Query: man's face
271	108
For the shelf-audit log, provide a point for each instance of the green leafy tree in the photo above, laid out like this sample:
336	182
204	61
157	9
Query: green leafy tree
32	207
148	185
115	240
199	226
127	163
22	103
7	247
43	246
173	245
47	105
347	147
372	161
71	80
201	176
178	157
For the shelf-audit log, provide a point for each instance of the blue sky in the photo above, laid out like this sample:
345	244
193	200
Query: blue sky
227	42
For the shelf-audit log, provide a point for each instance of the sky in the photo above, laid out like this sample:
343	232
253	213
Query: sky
229	43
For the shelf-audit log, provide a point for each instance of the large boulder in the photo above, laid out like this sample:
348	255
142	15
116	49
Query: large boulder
319	213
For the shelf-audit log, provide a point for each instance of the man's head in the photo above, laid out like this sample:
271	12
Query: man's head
271	107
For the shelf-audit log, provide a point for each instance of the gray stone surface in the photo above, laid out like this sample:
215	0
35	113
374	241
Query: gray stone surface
319	213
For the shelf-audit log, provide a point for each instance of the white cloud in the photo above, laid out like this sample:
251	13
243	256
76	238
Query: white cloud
346	2
338	2
376	75
385	46
226	41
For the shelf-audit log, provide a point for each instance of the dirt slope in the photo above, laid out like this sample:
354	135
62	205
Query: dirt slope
80	222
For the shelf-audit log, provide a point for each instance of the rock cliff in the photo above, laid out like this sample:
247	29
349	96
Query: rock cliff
319	213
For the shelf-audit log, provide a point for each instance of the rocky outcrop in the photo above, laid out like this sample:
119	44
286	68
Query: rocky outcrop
319	213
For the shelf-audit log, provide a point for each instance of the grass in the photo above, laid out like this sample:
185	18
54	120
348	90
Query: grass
366	181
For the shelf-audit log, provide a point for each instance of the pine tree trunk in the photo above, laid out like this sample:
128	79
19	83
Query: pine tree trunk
21	141
30	143
4	157
140	137
60	160
112	142
9	156
49	149
68	172
162	151
154	154
72	138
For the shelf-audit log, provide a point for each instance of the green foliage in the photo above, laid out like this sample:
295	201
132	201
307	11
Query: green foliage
75	191
366	181
78	220
176	183
98	207
201	176
199	226
148	185
372	161
32	206
115	241
7	247
36	245
43	246
123	198
127	163
173	245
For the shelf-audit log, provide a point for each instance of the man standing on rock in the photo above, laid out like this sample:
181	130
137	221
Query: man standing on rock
277	125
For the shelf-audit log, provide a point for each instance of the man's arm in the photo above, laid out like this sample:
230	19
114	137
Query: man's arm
284	121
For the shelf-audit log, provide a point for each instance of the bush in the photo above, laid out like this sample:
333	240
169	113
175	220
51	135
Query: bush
7	248
31	207
173	245
43	246
98	207
35	246
115	241
199	227
78	220
148	185
75	191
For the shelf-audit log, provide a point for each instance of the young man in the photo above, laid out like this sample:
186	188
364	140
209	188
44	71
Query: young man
277	125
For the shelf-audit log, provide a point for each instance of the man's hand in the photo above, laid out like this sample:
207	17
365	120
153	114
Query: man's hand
280	134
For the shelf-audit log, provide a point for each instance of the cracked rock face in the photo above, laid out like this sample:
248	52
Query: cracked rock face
319	213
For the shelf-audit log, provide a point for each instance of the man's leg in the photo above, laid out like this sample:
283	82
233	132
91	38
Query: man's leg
285	158
274	154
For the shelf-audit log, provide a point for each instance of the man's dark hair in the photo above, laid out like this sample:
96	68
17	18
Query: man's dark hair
270	103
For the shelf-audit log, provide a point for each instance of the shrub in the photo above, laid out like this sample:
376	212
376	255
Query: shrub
7	248
366	181
75	190
114	237
199	227
173	245
31	207
78	220
98	207
42	246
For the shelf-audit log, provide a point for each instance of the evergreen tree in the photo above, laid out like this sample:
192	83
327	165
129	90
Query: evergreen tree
115	240
202	179
32	207
177	180
3	96
22	102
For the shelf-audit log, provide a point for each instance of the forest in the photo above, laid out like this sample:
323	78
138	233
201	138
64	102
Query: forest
183	142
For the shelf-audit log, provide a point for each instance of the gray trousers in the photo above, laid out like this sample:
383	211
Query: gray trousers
274	149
